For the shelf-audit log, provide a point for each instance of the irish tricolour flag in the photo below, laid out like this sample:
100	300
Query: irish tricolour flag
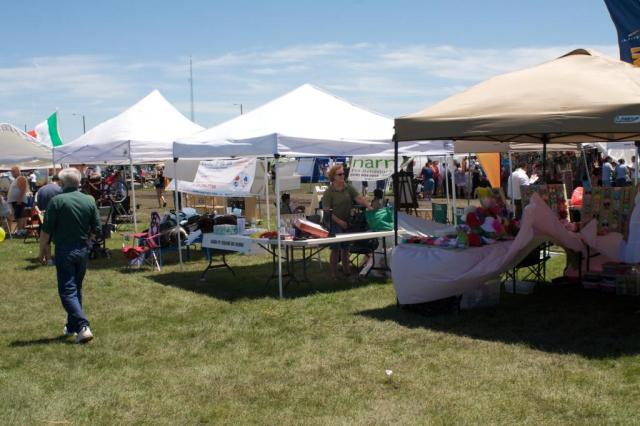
47	132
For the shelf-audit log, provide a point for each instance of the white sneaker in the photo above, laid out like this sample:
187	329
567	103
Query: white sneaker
84	335
67	332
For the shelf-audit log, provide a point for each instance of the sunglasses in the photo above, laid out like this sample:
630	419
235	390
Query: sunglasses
339	174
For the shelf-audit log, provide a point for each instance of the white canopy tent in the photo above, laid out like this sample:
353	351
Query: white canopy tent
144	133
305	122
17	148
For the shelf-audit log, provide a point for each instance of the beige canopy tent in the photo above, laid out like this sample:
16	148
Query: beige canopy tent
582	96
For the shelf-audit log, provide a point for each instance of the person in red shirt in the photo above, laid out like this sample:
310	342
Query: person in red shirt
436	176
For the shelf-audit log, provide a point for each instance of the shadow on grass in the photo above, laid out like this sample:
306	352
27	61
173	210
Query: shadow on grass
118	261
34	263
252	282
557	320
41	341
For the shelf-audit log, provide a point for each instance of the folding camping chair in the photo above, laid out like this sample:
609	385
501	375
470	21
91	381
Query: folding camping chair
32	227
439	213
534	267
459	212
147	247
99	246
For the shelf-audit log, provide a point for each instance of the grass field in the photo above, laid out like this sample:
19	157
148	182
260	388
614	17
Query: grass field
170	349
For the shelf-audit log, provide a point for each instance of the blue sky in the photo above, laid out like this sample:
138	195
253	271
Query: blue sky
395	57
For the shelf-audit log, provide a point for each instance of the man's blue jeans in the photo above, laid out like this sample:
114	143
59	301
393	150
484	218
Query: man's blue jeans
71	265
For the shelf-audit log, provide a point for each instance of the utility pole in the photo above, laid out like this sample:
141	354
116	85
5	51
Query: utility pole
193	117
84	123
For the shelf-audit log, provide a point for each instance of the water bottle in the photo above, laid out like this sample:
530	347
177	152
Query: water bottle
241	225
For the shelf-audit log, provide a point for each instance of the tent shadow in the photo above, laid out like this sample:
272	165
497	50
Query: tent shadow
557	320
250	282
118	262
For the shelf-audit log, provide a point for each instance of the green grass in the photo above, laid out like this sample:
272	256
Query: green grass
170	349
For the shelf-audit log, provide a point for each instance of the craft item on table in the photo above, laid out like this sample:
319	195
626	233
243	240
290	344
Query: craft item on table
442	242
498	201
462	240
311	228
480	226
554	195
225	229
611	207
269	234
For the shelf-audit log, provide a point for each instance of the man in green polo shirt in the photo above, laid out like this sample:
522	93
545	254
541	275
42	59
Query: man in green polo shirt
71	220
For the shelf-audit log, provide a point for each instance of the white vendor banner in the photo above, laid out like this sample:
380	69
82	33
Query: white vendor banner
370	169
224	178
236	243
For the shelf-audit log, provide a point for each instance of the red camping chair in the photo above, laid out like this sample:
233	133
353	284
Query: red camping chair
146	251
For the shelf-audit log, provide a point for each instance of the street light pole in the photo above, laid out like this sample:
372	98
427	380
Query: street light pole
240	107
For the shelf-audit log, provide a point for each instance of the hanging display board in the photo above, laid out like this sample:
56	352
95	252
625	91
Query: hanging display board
370	169
611	207
224	177
555	195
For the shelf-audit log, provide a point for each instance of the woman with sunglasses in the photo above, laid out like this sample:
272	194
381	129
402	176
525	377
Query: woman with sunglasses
339	198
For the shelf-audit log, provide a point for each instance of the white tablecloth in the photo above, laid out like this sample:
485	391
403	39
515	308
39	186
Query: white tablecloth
423	273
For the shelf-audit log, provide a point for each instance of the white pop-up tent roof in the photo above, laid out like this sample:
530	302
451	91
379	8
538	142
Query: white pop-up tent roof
17	148
305	122
148	129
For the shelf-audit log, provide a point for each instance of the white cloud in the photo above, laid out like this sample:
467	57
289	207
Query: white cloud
391	79
73	76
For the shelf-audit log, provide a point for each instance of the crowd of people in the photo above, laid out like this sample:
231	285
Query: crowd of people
430	182
616	173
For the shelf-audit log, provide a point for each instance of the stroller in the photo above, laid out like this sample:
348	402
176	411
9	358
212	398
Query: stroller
98	247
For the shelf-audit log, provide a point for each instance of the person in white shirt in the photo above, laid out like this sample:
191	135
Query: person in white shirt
33	181
518	179
607	172
632	169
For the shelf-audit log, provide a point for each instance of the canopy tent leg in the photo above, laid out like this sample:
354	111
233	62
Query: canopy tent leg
133	192
545	141
635	166
586	166
510	185
177	211
277	194
446	181
455	219
469	186
396	198
267	178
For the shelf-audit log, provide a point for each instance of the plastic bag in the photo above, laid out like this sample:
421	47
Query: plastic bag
380	220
